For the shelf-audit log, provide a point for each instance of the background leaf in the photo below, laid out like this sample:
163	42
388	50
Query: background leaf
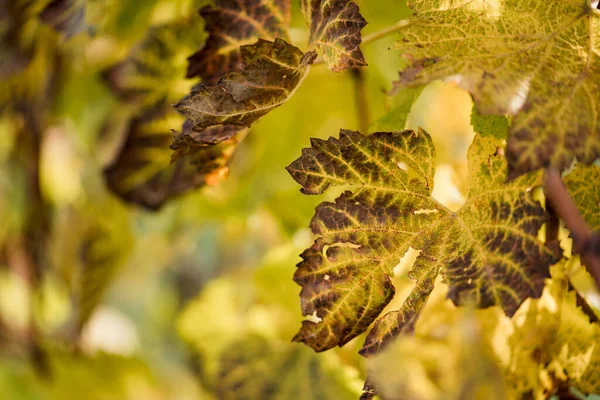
532	59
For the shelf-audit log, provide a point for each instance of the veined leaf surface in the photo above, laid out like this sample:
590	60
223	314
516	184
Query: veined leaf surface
271	74
335	31
537	60
487	251
232	24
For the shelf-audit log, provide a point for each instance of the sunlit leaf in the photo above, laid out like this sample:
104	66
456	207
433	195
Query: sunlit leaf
335	27
487	251
456	363
554	345
231	25
537	60
272	71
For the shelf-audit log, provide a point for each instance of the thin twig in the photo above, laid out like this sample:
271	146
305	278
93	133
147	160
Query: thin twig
584	240
385	31
361	99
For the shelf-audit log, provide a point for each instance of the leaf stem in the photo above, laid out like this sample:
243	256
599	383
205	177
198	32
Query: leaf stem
361	99
385	31
585	242
375	36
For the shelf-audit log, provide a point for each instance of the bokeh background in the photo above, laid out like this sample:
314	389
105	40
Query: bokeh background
104	299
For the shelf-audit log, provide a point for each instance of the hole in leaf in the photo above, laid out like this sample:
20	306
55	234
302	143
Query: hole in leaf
406	262
520	96
423	211
313	318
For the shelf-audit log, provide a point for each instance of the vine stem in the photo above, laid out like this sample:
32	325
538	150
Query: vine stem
385	31
585	241
361	99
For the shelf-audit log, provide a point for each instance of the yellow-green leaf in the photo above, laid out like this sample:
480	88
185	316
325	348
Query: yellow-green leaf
537	60
456	363
231	25
554	345
487	251
247	366
271	73
335	27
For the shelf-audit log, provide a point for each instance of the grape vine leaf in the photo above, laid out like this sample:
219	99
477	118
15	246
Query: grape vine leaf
232	24
246	372
583	184
544	53
487	251
271	73
144	79
244	343
335	27
67	16
148	173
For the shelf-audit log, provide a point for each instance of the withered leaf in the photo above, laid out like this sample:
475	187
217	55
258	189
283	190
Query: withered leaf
271	73
534	59
335	27
487	251
232	24
148	173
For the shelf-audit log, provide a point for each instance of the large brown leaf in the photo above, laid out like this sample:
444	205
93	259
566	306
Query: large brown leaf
335	27
232	24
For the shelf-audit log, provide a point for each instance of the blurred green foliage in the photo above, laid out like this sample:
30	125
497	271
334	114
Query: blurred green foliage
100	298
92	284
